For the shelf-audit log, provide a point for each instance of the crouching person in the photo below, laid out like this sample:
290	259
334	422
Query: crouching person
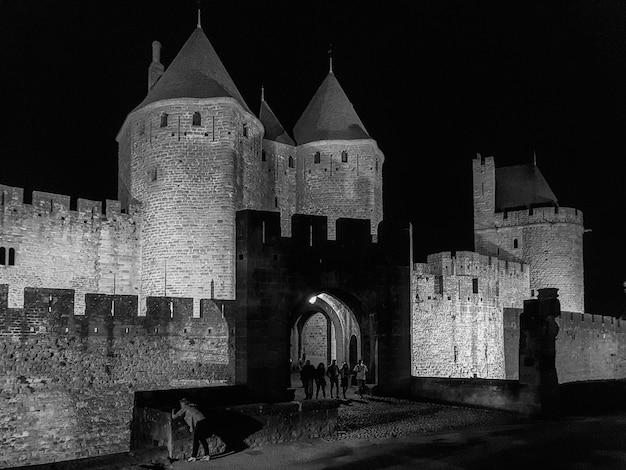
198	426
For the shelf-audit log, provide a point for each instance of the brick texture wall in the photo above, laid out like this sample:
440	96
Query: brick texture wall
279	182
87	250
458	304
588	347
341	189
190	180
68	382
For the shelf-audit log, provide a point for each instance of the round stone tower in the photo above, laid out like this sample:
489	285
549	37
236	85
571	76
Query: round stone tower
517	218
186	153
339	166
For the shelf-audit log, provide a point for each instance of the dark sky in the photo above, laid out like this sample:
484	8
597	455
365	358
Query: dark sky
433	82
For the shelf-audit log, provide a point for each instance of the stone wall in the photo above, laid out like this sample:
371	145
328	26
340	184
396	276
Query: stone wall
191	180
458	304
588	347
279	182
334	188
88	249
68	381
315	339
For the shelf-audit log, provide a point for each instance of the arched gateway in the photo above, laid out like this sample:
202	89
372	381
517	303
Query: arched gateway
322	328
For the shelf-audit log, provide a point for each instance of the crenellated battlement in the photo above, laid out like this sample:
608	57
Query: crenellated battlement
538	215
263	228
52	311
58	206
468	263
589	321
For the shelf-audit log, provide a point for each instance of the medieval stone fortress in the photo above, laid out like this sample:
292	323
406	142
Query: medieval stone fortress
234	249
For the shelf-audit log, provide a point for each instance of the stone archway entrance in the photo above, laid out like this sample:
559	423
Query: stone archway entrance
325	328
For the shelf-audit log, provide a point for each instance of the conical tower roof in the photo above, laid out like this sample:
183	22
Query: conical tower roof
329	116
196	72
522	186
273	128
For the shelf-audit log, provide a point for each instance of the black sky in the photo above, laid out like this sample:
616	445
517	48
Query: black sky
433	82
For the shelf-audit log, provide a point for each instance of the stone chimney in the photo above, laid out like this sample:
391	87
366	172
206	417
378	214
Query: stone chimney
156	68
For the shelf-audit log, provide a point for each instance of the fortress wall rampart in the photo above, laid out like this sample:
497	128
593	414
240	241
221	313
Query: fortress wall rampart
191	179
71	388
588	347
458	303
280	180
554	253
89	250
457	339
335	188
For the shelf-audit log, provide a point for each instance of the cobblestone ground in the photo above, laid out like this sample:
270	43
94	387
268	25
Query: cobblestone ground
378	417
373	417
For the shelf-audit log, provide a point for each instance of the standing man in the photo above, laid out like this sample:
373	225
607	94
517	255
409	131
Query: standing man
308	376
333	376
361	374
198	426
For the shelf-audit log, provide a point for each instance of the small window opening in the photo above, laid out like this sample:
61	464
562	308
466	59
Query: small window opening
377	164
152	174
317	157
197	119
291	164
244	130
439	285
532	292
344	156
276	201
263	155
515	243
3	256
475	285
164	120
456	354
11	256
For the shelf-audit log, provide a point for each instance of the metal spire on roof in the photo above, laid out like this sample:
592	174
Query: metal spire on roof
534	157
262	93
199	21
330	58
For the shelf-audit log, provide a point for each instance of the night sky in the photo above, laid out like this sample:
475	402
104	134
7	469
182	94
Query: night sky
433	82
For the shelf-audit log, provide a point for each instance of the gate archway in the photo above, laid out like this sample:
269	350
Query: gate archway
323	329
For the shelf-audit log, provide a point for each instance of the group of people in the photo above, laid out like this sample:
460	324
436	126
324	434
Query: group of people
310	375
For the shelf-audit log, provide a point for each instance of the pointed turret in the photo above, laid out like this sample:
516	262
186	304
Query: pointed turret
189	154
329	116
339	164
274	130
196	72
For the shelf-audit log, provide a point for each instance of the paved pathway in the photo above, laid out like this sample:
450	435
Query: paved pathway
387	433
